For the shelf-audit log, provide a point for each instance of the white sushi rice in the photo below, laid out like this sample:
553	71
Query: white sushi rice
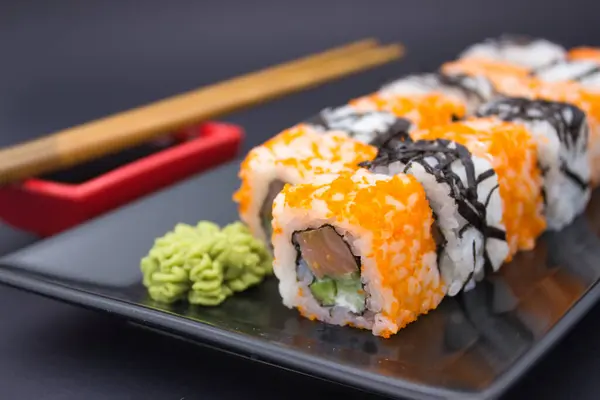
529	53
266	167
587	73
364	126
565	70
295	292
591	82
471	91
565	199
285	264
462	257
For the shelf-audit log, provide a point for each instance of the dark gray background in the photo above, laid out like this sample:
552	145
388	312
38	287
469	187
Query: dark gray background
66	62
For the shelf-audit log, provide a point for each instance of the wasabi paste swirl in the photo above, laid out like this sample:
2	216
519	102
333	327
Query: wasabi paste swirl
204	263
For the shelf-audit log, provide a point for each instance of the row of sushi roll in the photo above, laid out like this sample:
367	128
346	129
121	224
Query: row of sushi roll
378	209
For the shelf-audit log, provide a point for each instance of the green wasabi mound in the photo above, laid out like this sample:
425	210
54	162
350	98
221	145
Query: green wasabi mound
205	264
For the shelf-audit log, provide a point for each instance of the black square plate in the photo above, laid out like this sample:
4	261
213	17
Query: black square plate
473	346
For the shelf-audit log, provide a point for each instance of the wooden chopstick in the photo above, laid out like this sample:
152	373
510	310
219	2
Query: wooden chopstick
110	134
250	78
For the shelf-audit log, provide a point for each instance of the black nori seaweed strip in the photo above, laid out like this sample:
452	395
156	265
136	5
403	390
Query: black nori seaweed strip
460	82
493	232
462	289
487	174
489	196
536	71
398	130
466	159
544	196
442	81
588	73
553	112
398	126
445	152
574	177
568	121
585	74
439	246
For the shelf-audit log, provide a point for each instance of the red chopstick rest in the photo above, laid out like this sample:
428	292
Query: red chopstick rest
46	206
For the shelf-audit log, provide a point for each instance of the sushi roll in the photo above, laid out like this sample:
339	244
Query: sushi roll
591	81
520	50
574	94
561	133
371	126
357	249
296	155
512	153
585	53
585	72
503	76
423	111
462	190
471	91
511	82
586	100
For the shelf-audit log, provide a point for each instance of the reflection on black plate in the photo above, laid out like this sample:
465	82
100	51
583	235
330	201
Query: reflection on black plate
476	344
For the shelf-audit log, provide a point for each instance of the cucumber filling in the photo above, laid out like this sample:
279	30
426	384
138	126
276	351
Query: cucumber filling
345	292
325	291
266	210
326	264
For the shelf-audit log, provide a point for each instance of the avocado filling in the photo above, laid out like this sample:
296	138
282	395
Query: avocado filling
266	211
332	272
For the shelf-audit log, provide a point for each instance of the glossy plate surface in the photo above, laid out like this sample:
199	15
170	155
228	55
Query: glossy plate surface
475	345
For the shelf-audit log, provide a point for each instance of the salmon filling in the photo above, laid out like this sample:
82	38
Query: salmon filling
332	272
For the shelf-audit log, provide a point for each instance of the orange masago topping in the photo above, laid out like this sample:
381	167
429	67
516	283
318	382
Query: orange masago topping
496	71
295	155
585	53
515	81
392	218
424	111
567	92
561	91
511	150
